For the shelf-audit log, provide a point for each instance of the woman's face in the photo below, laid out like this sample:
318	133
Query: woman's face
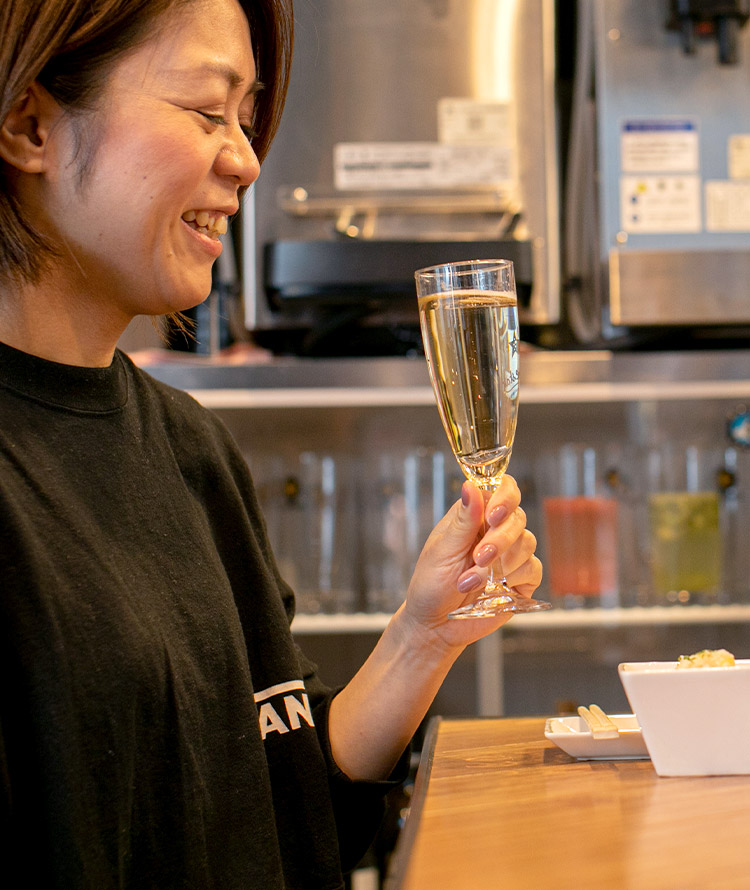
170	153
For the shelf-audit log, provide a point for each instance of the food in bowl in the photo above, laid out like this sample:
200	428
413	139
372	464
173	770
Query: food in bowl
706	658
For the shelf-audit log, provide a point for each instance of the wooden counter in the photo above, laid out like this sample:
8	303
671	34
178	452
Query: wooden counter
497	806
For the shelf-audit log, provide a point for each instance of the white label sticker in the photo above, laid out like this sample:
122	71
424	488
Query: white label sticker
660	203
739	156
727	206
418	165
472	122
659	146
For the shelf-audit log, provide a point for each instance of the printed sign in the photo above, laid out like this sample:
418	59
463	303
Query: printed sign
727	206
660	203
419	165
738	151
663	145
473	122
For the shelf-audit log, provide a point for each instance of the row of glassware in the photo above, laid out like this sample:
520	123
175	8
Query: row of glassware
616	525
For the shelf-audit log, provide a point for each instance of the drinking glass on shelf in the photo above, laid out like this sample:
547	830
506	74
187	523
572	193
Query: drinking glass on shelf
685	522
469	320
309	505
405	497
581	524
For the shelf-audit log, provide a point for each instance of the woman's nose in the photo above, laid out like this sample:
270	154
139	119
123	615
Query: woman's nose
237	159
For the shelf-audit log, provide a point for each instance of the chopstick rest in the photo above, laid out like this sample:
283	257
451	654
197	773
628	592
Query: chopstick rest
597	721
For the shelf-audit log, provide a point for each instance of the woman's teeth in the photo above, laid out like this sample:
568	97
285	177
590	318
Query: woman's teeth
211	224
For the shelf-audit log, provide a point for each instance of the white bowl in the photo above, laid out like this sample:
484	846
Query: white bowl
694	721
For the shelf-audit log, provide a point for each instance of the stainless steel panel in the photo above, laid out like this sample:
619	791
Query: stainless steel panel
652	287
374	71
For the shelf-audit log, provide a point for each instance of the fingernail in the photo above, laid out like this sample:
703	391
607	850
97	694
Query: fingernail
465	494
468	583
485	555
496	515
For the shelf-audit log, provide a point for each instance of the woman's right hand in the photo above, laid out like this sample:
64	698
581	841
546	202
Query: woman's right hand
453	565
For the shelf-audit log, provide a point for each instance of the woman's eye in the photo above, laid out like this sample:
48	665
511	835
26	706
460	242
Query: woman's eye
216	119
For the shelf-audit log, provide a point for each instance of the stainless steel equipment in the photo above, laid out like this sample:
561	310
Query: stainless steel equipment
415	133
665	239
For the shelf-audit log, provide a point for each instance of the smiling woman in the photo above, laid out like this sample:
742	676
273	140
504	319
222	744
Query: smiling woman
72	48
104	108
159	728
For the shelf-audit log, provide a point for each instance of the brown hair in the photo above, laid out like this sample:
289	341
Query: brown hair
70	46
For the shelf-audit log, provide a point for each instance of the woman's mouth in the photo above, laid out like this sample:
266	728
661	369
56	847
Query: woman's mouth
207	222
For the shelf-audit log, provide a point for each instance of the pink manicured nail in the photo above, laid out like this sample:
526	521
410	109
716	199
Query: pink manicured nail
465	495
468	583
485	555
496	515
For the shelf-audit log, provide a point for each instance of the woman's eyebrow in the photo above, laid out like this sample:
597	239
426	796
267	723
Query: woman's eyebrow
226	72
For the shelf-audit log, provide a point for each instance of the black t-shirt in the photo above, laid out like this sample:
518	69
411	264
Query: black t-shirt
158	726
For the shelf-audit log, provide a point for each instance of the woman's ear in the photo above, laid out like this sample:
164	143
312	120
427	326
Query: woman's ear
24	132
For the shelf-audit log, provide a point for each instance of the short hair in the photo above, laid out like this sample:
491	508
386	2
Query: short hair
70	47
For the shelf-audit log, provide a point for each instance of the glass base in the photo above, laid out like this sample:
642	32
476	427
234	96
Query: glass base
489	605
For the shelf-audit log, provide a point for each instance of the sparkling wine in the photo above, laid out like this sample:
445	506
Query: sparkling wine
469	322
471	343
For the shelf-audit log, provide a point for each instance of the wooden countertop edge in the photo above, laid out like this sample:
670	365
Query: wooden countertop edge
402	854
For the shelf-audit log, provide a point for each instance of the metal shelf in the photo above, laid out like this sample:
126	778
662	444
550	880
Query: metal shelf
634	616
547	378
381	397
585	376
554	619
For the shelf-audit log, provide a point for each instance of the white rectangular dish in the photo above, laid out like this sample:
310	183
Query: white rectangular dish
575	738
695	721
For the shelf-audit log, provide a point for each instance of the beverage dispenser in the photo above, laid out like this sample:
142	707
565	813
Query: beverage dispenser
415	133
657	208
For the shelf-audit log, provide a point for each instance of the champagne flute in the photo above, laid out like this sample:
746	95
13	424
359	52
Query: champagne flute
469	320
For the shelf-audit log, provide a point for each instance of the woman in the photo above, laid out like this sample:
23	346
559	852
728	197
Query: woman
159	728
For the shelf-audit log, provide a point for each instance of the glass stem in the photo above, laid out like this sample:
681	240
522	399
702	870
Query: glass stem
493	582
496	585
